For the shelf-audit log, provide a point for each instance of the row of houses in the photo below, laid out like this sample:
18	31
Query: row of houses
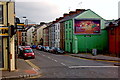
78	31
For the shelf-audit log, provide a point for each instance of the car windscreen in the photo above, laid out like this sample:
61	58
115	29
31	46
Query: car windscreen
58	48
47	47
28	51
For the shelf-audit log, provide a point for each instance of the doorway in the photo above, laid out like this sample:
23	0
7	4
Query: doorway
1	53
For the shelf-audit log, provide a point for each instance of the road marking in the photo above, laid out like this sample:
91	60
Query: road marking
55	60
49	57
95	59
36	76
63	64
92	66
43	55
33	65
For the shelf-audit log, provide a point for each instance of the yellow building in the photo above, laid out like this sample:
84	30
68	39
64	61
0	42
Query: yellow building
7	45
40	34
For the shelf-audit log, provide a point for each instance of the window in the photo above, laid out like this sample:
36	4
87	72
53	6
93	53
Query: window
70	24
66	25
1	53
25	34
58	35
66	35
70	36
22	34
1	14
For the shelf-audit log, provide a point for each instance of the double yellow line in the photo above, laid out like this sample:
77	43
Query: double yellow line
35	68
32	65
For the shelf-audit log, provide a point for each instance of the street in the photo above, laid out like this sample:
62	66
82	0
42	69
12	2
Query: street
65	66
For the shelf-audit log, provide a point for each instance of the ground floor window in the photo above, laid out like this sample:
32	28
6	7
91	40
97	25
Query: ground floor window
1	53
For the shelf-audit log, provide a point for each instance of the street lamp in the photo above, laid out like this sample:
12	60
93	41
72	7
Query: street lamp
26	20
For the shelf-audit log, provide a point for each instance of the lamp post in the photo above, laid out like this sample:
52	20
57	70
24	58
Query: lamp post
26	20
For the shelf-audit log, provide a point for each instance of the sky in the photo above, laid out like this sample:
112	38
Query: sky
48	10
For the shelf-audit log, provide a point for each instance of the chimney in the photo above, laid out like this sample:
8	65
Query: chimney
54	22
79	10
61	18
72	13
58	19
65	14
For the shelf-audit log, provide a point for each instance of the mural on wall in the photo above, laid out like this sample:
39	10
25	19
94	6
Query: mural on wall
87	27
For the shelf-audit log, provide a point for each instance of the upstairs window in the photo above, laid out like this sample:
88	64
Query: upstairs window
70	24
66	25
1	14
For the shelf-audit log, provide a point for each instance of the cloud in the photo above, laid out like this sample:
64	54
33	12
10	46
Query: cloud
37	11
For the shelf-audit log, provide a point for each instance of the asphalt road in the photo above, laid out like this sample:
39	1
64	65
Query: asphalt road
65	66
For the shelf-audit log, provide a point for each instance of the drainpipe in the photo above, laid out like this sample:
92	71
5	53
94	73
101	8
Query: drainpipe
16	46
76	45
9	67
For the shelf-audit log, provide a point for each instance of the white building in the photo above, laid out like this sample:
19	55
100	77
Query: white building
57	34
52	35
30	35
24	37
40	34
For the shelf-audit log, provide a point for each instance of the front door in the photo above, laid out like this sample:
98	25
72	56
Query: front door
1	53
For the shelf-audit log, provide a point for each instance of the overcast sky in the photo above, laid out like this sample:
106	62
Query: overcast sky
48	10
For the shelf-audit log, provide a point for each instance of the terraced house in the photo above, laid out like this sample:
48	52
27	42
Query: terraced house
52	34
7	37
85	31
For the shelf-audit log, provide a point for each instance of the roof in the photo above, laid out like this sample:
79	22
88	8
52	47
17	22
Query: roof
28	27
70	17
113	23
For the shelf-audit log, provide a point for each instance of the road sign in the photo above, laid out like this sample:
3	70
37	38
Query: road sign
3	31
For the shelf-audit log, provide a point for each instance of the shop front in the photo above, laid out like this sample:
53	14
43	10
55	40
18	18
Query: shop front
7	44
3	48
1	53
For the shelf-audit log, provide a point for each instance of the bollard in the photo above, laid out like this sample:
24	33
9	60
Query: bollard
94	52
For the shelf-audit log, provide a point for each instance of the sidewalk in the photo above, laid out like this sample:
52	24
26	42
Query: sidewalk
98	57
24	70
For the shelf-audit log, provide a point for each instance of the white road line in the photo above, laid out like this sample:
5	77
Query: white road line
55	60
49	57
93	66
63	64
43	55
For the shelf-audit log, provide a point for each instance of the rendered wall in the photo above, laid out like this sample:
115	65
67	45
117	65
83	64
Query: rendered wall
81	43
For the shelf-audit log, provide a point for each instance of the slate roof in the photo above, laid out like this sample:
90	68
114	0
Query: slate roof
70	17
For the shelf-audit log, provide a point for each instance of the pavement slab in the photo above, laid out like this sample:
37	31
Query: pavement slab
24	70
97	57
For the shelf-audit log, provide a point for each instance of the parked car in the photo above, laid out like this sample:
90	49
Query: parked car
33	46
20	47
42	48
38	47
51	50
59	51
47	48
26	46
27	53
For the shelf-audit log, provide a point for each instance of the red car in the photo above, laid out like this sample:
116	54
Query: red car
27	53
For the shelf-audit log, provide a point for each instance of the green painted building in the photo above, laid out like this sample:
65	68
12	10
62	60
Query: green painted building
85	31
